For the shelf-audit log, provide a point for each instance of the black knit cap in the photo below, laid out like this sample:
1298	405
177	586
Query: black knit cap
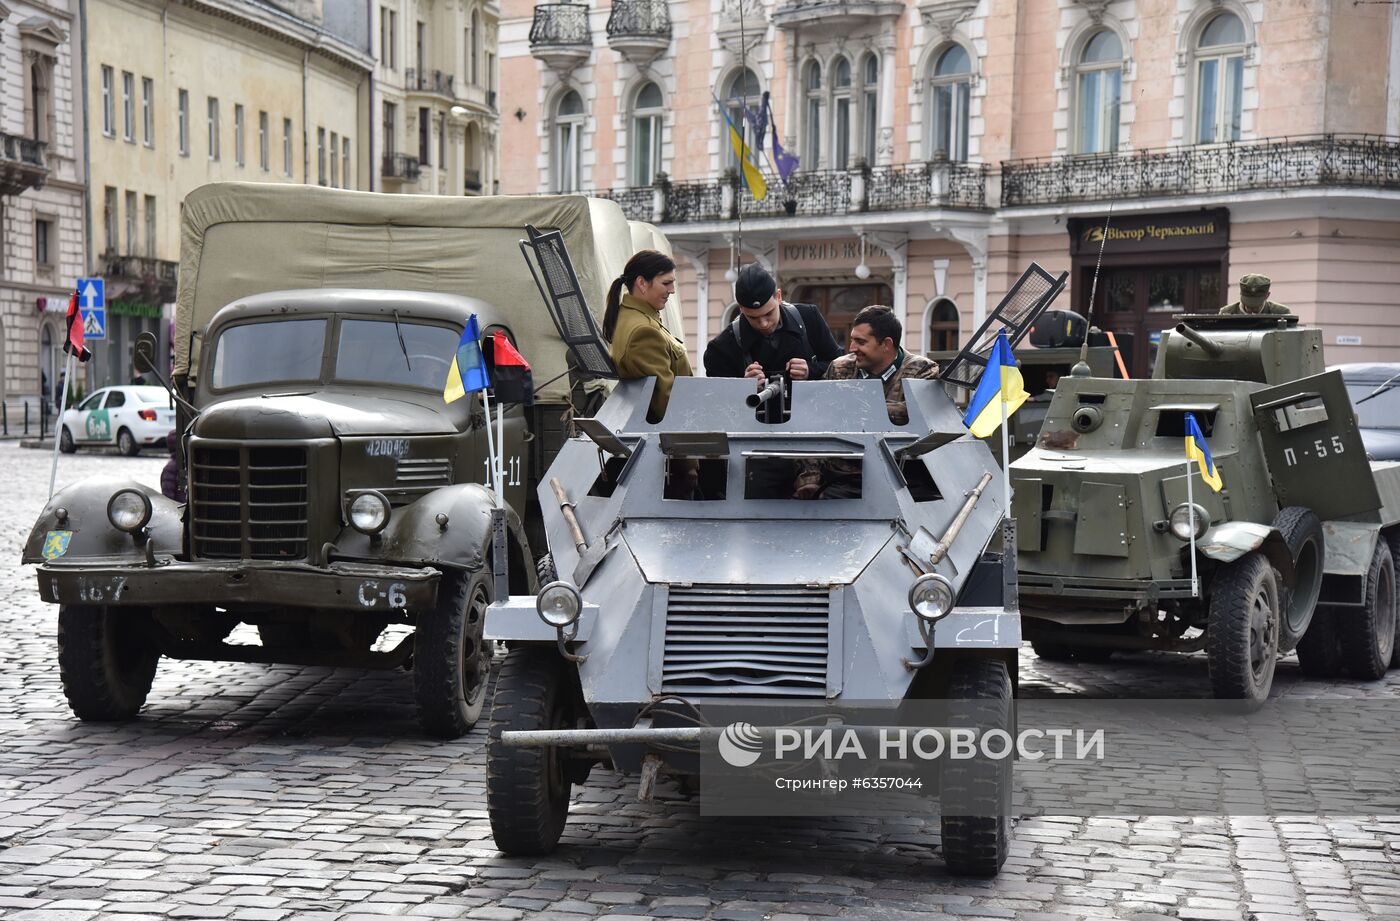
755	286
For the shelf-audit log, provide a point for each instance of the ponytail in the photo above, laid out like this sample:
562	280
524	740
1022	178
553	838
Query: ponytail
614	305
646	263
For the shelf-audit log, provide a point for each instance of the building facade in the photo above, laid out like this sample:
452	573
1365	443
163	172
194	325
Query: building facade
41	196
946	144
436	78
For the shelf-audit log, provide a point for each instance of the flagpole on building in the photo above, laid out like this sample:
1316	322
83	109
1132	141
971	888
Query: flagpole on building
58	422
1191	514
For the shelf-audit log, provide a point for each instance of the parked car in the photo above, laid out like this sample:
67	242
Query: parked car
130	417
1374	388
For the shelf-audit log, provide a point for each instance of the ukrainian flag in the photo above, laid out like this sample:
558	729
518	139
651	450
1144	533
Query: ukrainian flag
758	186
1000	383
1197	450
468	371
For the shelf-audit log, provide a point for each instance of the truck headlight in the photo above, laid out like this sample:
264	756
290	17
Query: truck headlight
1180	522
369	513
129	510
931	597
558	604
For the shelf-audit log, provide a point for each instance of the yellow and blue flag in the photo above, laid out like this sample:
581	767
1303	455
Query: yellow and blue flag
753	178
1197	450
1000	383
468	371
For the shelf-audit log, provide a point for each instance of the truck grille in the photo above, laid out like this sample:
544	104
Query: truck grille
249	503
761	641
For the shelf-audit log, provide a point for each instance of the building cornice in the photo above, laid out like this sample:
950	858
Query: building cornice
271	21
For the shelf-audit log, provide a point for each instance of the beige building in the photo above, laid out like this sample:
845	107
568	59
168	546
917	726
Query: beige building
436	80
179	95
945	144
41	197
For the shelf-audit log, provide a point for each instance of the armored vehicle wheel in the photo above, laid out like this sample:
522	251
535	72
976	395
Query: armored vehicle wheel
976	844
451	664
1302	531
1052	651
1394	540
1319	653
126	444
1242	630
65	441
527	789
1367	635
106	660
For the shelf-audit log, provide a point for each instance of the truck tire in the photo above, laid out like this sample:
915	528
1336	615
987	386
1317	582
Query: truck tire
65	441
1319	653
976	843
106	660
1302	531
1393	538
1242	630
1052	651
545	571
126	443
527	789
451	663
1367	635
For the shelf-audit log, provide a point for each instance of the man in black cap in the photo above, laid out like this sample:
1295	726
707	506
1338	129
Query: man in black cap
770	336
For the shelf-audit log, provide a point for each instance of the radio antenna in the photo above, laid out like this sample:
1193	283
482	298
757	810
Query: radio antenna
1081	368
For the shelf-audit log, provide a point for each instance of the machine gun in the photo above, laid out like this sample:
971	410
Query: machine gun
774	401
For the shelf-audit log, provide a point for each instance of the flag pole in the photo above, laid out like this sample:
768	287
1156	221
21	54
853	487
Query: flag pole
501	453
1005	457
1191	515
490	446
58	422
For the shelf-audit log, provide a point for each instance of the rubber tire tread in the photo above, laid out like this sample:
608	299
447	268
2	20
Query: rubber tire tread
437	648
977	845
525	819
135	446
1319	654
1363	655
1393	538
1227	632
66	444
104	677
1296	524
545	571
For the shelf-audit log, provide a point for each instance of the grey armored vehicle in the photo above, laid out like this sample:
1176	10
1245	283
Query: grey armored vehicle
332	494
684	578
1296	551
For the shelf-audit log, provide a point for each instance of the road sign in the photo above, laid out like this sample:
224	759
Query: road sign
92	301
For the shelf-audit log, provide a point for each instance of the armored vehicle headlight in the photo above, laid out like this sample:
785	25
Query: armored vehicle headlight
129	510
1181	521
558	604
369	512
931	597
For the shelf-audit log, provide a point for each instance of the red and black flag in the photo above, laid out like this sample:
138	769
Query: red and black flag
511	380
73	344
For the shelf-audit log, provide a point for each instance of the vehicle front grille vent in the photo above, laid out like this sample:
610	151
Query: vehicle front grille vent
418	476
249	503
759	641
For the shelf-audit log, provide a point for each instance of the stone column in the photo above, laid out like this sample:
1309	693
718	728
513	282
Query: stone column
794	90
884	149
979	291
699	258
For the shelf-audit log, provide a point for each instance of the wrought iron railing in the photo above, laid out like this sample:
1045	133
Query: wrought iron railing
560	24
641	18
401	166
160	271
636	202
429	81
1274	163
687	202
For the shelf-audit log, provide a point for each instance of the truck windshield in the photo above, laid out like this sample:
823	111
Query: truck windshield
370	350
258	353
1381	411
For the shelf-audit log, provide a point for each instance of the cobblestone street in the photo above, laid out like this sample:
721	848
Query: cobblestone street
270	792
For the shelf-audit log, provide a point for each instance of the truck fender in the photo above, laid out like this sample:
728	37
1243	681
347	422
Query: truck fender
74	525
1230	540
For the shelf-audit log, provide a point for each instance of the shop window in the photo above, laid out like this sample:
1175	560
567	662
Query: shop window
951	91
1219	73
646	135
1098	89
568	143
812	80
943	327
841	113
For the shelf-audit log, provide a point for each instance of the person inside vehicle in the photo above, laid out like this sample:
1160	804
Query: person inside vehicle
1254	298
640	345
873	352
770	336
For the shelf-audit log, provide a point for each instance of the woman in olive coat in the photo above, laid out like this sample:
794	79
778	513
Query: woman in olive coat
641	345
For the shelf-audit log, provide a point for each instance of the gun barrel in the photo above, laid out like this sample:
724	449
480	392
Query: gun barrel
774	388
1211	349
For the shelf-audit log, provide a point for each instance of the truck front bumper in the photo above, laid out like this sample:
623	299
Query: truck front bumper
339	586
1035	585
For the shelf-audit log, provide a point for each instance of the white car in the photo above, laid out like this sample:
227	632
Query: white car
130	417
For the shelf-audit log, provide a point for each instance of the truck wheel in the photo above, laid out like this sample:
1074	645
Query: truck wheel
1302	531
545	570
1242	630
106	660
65	441
976	841
126	444
1394	540
1367	636
1319	653
451	664
1051	651
527	789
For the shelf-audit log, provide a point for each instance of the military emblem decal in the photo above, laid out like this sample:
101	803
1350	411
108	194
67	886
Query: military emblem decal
56	544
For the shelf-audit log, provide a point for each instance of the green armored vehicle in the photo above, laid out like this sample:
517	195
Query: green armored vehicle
336	503
1297	550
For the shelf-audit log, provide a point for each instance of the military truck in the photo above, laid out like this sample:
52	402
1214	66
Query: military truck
332	492
1296	551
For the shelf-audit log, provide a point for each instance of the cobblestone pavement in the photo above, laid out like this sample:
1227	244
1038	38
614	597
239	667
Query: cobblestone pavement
259	792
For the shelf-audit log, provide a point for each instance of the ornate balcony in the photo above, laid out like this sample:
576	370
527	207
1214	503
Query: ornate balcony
429	81
144	277
1275	163
639	30
400	167
834	16
22	164
559	35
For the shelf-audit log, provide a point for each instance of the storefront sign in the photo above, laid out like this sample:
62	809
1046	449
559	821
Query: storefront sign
133	309
840	253
1151	232
1348	340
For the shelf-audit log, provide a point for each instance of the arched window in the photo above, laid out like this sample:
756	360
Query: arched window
870	107
812	80
474	48
743	89
1098	90
1219	79
646	135
568	143
841	113
942	327
951	89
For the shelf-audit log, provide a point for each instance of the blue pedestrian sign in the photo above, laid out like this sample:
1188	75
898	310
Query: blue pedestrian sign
92	301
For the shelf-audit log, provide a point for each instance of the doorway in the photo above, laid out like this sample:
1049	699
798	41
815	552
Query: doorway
839	304
1144	300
